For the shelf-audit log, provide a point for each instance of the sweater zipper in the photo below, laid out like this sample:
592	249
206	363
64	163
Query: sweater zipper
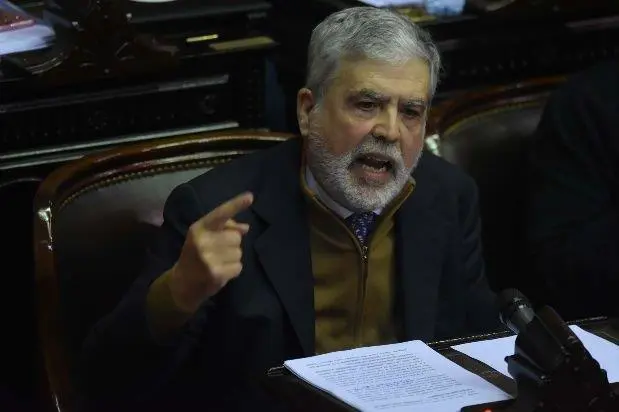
361	292
363	253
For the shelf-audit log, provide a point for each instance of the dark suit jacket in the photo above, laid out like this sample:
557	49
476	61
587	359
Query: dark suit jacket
573	229
266	316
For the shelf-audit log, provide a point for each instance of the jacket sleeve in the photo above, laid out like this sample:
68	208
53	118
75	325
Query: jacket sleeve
573	217
137	347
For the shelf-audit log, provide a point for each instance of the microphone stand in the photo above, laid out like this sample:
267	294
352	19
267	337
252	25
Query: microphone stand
570	381
577	385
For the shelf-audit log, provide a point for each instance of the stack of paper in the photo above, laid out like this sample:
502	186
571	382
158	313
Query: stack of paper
407	376
20	32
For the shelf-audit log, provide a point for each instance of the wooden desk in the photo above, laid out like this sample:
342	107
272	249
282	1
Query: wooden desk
301	396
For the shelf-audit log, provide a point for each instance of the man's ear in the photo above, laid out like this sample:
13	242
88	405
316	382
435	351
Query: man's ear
305	104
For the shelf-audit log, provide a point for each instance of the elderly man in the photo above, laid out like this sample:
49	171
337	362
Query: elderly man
342	238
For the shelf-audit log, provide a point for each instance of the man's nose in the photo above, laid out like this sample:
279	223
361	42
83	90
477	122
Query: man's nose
388	125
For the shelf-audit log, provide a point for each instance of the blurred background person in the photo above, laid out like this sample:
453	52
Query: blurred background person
573	229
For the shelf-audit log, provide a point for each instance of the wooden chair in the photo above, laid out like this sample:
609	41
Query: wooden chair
93	218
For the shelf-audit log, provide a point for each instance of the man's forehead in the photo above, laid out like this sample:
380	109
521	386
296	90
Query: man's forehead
407	81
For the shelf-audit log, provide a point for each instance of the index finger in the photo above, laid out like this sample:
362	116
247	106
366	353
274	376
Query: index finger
222	213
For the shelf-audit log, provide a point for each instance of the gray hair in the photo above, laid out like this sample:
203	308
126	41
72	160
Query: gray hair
371	33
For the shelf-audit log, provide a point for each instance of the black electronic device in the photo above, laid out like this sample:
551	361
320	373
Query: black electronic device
553	370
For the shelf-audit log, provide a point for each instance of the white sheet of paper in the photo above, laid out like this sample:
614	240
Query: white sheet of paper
24	37
407	376
493	352
30	38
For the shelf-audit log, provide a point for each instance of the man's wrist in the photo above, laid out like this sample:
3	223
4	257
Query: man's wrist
165	315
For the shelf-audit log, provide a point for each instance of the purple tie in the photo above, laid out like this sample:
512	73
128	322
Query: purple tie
361	225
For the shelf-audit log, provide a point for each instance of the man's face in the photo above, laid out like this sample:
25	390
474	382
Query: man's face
367	135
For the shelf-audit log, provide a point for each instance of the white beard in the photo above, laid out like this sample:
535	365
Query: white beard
334	175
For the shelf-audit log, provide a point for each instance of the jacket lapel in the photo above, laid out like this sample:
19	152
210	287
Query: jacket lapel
421	239
283	248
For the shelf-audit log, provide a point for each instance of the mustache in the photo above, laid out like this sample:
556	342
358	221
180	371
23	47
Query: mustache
372	145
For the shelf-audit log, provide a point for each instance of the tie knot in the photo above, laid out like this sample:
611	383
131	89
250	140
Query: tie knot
361	225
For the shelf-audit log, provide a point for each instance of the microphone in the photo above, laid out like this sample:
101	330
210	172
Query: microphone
544	339
515	311
551	366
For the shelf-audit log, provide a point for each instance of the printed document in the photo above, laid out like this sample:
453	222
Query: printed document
407	376
493	352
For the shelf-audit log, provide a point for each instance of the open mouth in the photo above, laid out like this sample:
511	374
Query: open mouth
375	162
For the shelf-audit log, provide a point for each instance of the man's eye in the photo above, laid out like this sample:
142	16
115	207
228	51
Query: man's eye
411	113
366	106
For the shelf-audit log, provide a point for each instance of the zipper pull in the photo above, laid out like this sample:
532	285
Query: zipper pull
365	253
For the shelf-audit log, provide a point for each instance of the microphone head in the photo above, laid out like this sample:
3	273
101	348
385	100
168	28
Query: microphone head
515	310
508	296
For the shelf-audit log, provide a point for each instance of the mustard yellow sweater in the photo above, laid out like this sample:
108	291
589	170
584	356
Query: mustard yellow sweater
353	286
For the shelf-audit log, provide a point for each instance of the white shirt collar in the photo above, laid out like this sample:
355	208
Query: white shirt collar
338	209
